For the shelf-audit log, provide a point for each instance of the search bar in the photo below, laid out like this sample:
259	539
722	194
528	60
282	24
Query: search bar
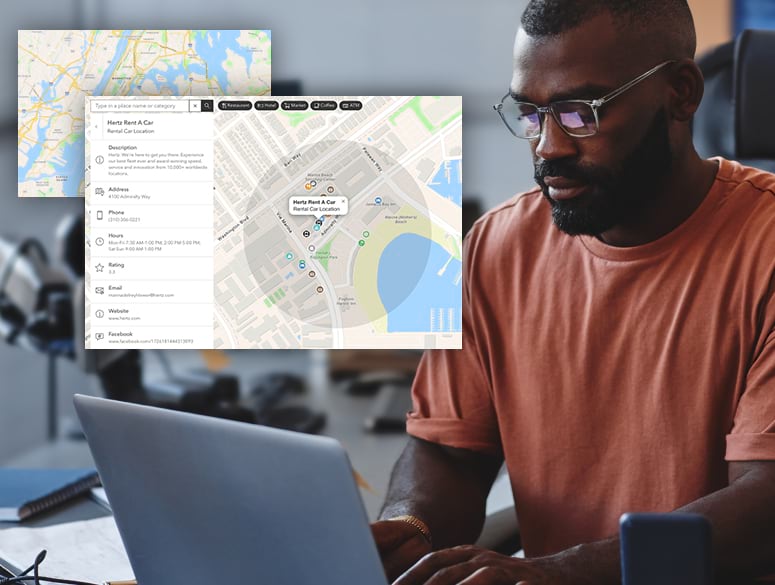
142	105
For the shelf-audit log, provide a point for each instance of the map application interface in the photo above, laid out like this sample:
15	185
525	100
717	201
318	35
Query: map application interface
293	222
58	68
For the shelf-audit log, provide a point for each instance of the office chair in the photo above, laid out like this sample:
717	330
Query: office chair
736	118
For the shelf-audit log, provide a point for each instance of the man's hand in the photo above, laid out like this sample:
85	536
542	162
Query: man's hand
471	565
400	546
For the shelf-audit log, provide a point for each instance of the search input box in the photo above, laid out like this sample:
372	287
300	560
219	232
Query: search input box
139	106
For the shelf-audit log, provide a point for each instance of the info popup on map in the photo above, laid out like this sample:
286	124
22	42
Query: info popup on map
317	206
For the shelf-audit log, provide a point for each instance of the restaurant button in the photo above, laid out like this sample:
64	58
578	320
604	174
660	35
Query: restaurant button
229	105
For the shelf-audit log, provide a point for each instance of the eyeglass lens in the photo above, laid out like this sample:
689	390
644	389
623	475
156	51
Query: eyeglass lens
577	118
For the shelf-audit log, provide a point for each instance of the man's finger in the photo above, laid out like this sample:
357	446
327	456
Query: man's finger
489	575
468	573
431	563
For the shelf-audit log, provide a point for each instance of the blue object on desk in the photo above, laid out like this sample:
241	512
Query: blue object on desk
26	492
668	549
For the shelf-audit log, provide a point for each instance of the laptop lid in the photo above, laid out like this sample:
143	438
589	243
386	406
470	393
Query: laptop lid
200	500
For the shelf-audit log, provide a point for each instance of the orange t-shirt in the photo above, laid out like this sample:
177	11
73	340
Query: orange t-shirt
612	379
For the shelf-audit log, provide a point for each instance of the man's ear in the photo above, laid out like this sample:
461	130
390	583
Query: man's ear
688	87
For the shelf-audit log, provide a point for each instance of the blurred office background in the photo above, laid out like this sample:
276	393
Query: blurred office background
337	47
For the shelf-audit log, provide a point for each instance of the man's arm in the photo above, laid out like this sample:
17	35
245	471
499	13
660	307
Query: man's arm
445	488
742	516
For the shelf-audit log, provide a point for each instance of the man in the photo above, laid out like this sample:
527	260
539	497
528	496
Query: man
619	346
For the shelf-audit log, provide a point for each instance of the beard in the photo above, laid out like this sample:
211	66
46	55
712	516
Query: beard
615	195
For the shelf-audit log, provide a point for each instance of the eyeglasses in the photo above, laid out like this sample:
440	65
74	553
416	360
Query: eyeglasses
36	578
577	118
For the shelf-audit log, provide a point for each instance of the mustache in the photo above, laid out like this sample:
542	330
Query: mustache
561	168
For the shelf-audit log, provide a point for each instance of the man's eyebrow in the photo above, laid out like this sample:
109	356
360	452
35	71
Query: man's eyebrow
584	92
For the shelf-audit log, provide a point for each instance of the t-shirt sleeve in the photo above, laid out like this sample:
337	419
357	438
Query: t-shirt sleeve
451	395
752	437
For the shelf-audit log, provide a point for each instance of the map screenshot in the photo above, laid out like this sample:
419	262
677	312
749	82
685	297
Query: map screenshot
57	69
294	222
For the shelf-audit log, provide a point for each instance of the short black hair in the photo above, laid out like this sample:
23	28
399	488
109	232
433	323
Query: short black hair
672	18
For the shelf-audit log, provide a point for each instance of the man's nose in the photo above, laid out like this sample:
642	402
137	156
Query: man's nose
554	143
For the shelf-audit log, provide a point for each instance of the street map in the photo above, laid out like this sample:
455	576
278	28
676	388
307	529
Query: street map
339	227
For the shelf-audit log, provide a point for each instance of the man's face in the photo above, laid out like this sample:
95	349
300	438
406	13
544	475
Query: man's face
612	194
596	183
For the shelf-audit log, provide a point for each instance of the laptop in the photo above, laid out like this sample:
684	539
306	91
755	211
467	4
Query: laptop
201	500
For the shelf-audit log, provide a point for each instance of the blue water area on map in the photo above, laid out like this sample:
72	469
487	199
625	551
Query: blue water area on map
72	168
75	70
411	288
448	181
33	154
170	74
215	55
48	92
73	155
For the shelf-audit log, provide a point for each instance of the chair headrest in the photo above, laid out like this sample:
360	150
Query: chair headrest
754	94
